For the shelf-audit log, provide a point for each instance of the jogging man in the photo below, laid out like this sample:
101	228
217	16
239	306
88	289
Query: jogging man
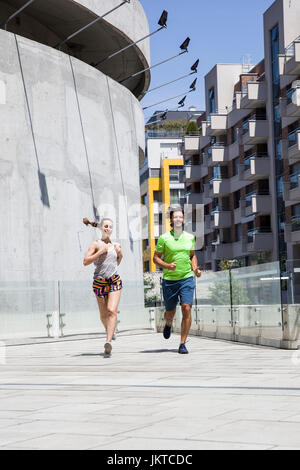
179	264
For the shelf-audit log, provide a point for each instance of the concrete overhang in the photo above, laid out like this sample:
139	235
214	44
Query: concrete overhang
52	21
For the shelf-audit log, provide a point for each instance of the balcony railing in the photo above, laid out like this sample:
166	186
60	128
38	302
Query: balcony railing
290	50
251	233
295	222
247	161
292	137
260	192
290	94
294	180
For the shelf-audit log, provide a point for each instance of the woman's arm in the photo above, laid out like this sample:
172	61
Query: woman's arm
94	253
119	253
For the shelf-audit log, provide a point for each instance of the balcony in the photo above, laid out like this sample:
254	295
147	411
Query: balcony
221	219
234	150
291	189
255	95
258	204
195	172
290	106
239	212
293	144
289	63
223	251
255	131
256	166
216	125
206	255
191	145
292	231
219	187
238	249
259	239
194	198
217	154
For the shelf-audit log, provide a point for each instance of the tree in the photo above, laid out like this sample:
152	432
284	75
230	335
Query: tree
192	128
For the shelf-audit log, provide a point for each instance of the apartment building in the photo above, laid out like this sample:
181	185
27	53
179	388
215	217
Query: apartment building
162	175
245	165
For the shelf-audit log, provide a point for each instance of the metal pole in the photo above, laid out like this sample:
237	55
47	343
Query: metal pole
17	12
90	24
127	47
169	99
173	81
231	297
153	66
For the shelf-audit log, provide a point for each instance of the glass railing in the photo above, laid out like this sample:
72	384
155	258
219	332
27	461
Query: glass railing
290	94
251	233
294	180
248	198
295	222
292	138
47	309
245	302
290	49
245	127
247	163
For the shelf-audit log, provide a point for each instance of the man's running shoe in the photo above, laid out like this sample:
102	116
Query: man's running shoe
107	349
182	349
167	331
114	337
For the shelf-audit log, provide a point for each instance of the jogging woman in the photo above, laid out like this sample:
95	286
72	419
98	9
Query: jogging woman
107	283
179	264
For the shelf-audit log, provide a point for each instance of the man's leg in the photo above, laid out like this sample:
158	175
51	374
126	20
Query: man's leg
169	316
186	322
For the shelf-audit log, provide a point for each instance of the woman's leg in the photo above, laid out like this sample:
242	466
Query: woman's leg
102	303
112	310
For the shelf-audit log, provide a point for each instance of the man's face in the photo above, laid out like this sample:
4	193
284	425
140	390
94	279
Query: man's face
178	219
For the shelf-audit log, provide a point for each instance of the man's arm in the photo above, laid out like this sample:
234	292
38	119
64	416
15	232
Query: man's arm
159	262
195	266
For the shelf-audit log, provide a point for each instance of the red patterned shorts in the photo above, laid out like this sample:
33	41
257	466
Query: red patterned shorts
103	287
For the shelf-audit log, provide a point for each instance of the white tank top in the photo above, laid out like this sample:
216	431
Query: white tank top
106	264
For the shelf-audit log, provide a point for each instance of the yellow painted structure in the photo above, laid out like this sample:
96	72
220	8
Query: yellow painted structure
159	184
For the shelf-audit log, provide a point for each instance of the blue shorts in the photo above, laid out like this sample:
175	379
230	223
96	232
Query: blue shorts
174	291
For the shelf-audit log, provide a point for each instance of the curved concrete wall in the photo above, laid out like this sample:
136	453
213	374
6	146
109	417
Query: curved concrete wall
131	19
51	22
70	139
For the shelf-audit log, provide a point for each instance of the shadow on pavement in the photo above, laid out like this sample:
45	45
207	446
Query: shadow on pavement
154	351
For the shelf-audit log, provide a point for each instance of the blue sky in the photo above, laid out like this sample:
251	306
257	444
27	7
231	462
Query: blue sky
221	31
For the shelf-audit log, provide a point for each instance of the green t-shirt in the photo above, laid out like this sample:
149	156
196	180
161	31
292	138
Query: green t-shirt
177	250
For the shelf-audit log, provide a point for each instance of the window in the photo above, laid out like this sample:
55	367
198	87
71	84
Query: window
235	166
238	232
176	174
176	195
212	103
236	199
274	53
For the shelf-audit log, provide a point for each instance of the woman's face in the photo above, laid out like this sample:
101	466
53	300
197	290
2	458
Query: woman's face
106	228
178	219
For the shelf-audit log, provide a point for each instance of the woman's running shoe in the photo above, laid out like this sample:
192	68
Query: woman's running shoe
107	349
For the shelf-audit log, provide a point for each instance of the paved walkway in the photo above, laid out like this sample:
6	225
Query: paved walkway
66	395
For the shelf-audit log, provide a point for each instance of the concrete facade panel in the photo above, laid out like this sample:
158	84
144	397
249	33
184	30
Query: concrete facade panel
81	151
